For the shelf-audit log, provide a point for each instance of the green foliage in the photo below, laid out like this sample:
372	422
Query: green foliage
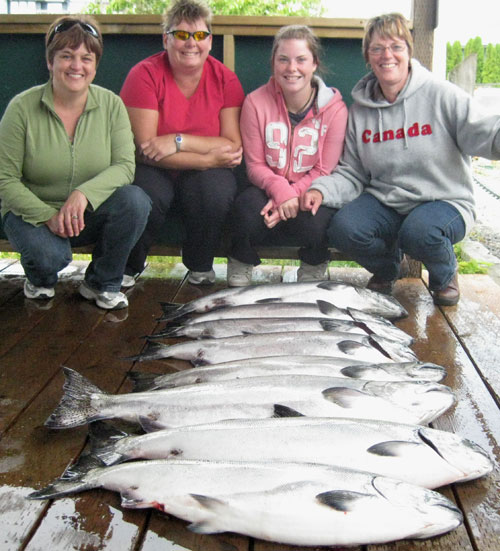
469	266
305	8
454	55
488	59
491	68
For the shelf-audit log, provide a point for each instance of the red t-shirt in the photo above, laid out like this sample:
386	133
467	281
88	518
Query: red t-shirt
150	85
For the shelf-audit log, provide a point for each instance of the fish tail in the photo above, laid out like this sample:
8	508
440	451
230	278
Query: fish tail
102	437
75	407
170	331
155	351
75	479
142	381
172	311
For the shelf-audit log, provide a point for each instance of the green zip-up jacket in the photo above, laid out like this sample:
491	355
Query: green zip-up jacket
40	166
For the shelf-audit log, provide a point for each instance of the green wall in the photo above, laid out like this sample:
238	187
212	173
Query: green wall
22	61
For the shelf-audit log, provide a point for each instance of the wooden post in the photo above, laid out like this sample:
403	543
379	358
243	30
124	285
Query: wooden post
425	19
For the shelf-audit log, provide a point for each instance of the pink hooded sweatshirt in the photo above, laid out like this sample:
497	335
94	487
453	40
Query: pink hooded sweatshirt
283	161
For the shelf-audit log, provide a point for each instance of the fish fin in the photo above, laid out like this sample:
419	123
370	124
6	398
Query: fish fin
59	488
143	381
207	501
341	500
72	481
75	408
102	437
155	351
130	502
391	448
331	325
328	308
350	347
355	371
173	311
102	433
167	307
343	397
328	285
268	300
206	526
165	334
285	411
150	425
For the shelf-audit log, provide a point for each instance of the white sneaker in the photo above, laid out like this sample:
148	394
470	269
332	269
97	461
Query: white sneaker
32	291
239	274
308	272
201	278
129	280
104	299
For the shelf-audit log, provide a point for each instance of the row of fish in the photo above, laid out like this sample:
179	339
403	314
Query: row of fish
257	436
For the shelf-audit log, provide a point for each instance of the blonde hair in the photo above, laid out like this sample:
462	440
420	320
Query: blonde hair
73	37
186	10
390	25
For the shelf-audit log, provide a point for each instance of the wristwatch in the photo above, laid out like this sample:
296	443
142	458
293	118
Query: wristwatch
178	142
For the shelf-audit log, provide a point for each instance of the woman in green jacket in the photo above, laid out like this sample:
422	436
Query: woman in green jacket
66	159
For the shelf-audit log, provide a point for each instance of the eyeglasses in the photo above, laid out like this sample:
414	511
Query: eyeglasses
186	35
66	25
394	48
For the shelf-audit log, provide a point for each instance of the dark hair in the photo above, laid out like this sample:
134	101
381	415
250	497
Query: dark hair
298	32
74	36
389	25
186	10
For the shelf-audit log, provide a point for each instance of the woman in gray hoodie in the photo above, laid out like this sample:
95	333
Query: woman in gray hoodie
404	182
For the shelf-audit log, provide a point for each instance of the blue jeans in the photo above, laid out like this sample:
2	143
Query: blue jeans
114	228
377	236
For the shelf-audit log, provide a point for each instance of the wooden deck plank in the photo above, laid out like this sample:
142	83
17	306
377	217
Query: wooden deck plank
476	321
31	456
475	415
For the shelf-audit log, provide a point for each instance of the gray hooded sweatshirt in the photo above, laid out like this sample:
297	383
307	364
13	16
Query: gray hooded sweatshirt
414	150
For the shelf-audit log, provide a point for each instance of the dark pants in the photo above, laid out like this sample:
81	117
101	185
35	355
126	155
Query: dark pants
375	235
204	198
114	227
249	230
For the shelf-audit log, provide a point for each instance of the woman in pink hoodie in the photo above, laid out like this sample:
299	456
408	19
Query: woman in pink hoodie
293	131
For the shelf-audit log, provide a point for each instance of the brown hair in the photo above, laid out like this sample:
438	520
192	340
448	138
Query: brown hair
73	37
298	32
390	25
186	10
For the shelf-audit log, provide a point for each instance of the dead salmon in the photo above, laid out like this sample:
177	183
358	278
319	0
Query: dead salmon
338	294
369	348
294	503
413	453
323	366
255	397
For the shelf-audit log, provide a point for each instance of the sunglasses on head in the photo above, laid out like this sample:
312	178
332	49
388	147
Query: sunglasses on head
66	25
186	35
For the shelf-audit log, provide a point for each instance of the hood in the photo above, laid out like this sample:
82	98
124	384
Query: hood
323	98
367	91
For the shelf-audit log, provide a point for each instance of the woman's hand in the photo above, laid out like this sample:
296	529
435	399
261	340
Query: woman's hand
225	157
311	200
272	215
158	148
69	221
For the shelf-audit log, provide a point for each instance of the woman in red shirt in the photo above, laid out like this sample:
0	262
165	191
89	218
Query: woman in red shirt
184	107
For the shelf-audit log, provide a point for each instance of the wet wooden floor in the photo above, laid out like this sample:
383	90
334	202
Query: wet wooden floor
37	339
